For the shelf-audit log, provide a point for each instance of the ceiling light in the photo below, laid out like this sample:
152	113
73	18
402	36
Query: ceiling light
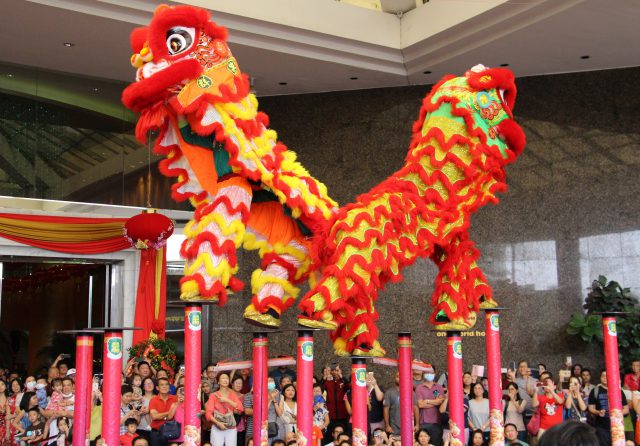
504	64
354	78
585	57
95	89
11	75
427	72
69	44
282	83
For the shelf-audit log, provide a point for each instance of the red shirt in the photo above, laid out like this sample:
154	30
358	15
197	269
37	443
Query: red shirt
157	403
335	399
550	411
632	381
127	439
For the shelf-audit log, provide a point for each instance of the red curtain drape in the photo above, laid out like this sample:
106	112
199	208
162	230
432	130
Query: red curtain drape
73	235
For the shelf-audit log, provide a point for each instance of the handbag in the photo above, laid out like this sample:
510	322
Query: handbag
533	426
227	419
170	430
272	426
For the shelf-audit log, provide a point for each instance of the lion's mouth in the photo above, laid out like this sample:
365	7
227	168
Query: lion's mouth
158	80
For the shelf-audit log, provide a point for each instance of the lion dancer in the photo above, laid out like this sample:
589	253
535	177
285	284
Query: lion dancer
247	187
461	143
285	261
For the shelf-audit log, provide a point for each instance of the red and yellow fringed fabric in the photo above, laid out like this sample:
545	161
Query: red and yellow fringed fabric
462	141
248	189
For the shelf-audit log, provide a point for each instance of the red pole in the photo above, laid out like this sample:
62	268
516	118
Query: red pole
305	386
455	391
84	356
260	412
89	371
192	367
405	353
613	379
496	436
359	401
112	378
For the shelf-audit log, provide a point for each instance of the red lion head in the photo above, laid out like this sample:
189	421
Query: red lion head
181	58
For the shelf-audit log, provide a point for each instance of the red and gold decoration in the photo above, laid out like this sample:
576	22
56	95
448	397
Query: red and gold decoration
149	232
160	353
72	235
249	190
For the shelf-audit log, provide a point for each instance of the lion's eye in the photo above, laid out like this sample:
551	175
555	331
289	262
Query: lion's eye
179	39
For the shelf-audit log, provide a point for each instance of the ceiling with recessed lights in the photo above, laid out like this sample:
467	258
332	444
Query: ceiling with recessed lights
327	45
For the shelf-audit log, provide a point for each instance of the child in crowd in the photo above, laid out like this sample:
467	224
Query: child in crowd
127	438
41	391
136	384
35	431
56	395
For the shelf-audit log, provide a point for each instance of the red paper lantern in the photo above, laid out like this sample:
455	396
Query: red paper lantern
148	230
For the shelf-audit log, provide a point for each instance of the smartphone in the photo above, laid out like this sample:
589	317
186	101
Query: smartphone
96	387
65	356
182	368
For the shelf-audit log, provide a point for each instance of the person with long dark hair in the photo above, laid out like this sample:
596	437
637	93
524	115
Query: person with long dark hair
479	410
514	407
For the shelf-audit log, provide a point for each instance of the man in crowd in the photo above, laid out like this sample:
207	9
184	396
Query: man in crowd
587	386
599	408
429	397
391	411
162	408
281	371
336	389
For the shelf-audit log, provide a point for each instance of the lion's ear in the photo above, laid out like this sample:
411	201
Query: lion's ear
138	38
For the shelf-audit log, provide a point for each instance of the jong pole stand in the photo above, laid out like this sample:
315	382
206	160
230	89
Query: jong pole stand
83	380
192	365
494	371
612	365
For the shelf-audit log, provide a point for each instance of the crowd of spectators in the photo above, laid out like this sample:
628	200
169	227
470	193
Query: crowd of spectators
39	409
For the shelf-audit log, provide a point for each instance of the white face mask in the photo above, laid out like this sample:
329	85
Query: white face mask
31	385
40	386
429	376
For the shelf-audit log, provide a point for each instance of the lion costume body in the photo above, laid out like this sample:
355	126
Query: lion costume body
249	190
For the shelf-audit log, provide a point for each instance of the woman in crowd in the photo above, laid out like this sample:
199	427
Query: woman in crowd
148	392
479	410
15	397
220	410
423	438
574	404
289	408
467	381
477	438
4	411
237	383
551	404
514	407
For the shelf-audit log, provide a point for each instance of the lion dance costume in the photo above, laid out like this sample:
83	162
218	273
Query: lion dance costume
249	190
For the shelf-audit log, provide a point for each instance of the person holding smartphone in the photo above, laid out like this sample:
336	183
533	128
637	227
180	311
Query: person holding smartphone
551	404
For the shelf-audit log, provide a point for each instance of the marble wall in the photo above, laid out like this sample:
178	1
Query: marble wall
570	213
